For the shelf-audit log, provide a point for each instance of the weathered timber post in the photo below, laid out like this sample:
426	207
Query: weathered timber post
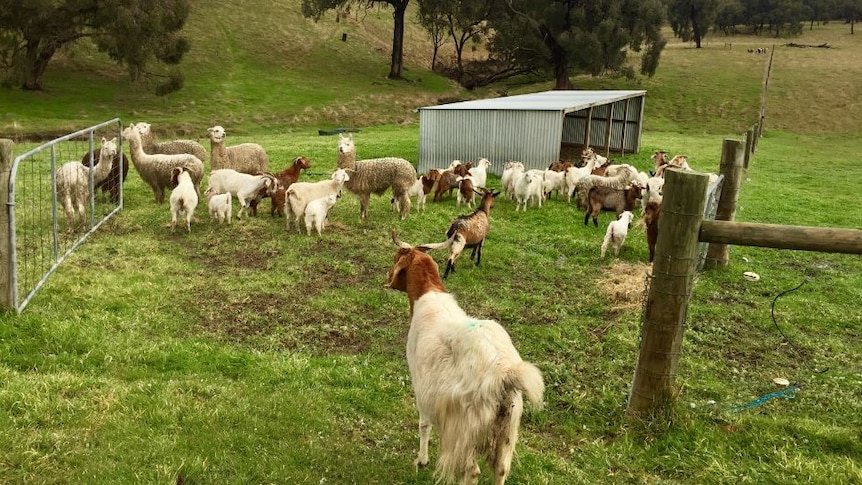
749	146
6	302
669	292
732	168
778	236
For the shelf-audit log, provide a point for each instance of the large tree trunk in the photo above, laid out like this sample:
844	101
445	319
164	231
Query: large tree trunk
37	58
398	38
695	28
561	73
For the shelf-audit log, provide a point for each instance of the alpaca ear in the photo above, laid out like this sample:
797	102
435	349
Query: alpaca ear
104	140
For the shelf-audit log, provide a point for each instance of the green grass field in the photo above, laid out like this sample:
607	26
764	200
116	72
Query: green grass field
244	354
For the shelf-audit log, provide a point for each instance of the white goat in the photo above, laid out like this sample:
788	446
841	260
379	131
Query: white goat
468	379
507	180
616	233
553	181
220	205
528	186
299	194
184	197
653	192
575	174
316	211
480	172
243	186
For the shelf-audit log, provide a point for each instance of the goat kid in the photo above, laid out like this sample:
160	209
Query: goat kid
617	232
184	197
316	211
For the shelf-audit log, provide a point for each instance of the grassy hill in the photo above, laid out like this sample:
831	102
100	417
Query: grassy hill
259	67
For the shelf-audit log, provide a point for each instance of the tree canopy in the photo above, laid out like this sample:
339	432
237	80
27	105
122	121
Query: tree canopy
594	36
134	33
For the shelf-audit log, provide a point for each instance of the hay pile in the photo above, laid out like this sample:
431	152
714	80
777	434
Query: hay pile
624	283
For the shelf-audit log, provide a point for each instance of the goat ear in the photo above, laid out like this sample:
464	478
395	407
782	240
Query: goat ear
398	275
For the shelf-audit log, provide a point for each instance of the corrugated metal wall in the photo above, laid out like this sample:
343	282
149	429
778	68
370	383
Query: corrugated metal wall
531	137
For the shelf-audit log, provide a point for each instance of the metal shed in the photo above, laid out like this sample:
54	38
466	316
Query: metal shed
531	128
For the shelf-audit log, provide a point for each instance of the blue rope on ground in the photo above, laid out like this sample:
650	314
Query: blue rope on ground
789	393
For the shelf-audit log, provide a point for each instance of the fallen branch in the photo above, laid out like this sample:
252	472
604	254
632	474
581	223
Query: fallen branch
824	45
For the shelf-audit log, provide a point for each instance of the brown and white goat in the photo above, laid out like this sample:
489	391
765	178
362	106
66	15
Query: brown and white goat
285	178
651	216
468	379
465	191
468	232
610	199
447	180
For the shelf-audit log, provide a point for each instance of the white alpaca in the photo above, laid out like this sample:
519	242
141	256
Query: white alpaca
316	211
184	197
73	183
617	232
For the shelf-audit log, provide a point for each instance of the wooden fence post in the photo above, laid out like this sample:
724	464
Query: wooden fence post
749	146
669	291
6	302
732	169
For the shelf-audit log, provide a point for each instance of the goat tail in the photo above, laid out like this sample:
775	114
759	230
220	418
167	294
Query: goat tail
528	379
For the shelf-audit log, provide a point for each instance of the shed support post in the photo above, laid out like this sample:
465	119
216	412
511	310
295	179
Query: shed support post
609	128
669	291
625	126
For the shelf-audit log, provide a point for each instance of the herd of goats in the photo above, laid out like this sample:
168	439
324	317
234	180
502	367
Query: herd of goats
468	379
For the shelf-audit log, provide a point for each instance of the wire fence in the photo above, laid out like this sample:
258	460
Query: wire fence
40	238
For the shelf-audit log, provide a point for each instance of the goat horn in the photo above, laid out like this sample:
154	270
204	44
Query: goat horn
398	242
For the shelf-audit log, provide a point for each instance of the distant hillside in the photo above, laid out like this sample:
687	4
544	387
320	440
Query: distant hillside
259	66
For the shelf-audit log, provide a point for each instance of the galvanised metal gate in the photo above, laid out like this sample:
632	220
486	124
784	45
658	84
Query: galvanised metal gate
40	238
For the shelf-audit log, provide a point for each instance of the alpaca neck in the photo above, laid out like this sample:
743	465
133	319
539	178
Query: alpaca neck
137	149
148	143
103	169
347	160
218	152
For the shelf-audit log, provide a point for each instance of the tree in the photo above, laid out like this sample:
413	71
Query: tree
730	13
594	36
818	11
463	20
316	8
133	33
851	12
432	20
691	19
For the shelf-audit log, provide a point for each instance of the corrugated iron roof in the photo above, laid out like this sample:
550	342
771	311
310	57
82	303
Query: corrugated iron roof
565	101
